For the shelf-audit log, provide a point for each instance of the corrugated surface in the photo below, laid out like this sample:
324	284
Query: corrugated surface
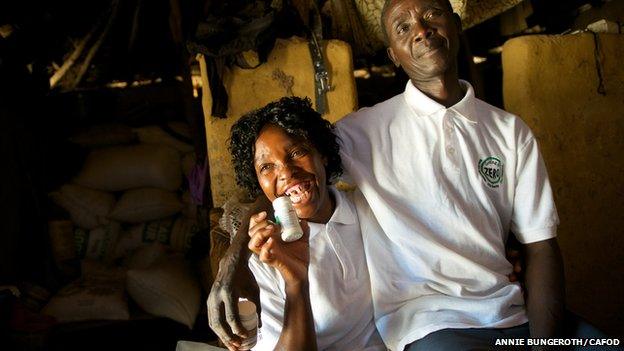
288	71
552	83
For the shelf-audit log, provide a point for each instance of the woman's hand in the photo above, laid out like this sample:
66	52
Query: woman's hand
291	259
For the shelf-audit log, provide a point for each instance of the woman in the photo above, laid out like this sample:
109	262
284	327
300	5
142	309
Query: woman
314	292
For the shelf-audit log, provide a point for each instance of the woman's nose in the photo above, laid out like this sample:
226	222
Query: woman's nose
285	171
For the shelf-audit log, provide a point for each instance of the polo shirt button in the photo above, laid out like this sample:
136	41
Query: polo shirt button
450	150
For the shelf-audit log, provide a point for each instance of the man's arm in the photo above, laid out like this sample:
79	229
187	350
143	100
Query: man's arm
232	281
545	288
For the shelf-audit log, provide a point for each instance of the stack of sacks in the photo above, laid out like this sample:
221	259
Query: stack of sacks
98	294
162	283
126	197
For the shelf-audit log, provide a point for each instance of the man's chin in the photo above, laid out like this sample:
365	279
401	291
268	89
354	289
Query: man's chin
430	69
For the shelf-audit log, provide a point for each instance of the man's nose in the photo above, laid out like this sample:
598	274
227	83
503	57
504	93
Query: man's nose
423	31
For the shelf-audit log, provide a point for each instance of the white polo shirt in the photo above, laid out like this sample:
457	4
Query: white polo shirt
445	185
340	294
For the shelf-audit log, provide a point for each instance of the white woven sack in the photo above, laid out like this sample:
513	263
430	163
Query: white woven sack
99	243
104	135
128	167
166	289
98	295
145	204
175	232
88	208
157	135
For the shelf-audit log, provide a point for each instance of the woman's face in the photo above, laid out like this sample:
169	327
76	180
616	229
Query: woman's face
290	166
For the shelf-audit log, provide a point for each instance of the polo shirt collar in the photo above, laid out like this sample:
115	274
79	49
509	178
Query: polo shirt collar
343	214
423	105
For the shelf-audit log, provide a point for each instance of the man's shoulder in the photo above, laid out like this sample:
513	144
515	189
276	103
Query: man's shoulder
488	109
491	114
363	123
497	121
375	112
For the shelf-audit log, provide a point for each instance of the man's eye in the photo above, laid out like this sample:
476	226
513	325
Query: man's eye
402	28
433	14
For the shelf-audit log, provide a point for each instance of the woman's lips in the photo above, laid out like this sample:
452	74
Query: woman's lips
299	192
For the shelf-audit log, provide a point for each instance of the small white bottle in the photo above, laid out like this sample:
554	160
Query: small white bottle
249	319
286	216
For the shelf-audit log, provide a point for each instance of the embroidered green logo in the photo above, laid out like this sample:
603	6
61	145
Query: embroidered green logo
491	169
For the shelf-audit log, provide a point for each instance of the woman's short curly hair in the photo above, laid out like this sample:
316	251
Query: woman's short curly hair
297	117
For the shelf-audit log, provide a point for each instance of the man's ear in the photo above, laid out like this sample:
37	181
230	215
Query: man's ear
458	22
393	57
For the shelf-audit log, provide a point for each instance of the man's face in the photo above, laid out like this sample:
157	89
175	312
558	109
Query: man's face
289	166
423	37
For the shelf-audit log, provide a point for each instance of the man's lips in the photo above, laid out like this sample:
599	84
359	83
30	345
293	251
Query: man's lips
429	52
429	47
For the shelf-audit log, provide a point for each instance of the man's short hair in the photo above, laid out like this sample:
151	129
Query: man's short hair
297	117
384	9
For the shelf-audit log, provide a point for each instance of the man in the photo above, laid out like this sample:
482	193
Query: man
446	177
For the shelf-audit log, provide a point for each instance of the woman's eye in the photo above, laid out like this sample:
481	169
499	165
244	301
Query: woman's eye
298	153
265	168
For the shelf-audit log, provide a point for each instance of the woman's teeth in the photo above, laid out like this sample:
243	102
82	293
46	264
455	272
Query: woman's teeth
298	192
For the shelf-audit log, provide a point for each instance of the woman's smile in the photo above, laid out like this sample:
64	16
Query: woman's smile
287	165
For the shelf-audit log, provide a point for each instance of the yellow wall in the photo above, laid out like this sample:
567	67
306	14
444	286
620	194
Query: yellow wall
552	82
249	89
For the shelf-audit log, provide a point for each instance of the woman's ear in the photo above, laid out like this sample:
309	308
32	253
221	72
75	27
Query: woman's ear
328	175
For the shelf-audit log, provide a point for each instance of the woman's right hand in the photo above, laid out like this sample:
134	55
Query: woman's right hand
291	259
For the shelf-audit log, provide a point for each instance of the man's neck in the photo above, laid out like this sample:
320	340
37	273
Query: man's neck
444	89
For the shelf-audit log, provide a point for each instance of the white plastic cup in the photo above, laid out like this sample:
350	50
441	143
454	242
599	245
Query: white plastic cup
249	319
286	216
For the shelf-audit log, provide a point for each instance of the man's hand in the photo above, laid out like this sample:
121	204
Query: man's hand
515	258
513	252
234	280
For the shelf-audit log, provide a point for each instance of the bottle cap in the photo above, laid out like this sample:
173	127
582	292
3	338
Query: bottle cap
281	203
247	314
246	309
